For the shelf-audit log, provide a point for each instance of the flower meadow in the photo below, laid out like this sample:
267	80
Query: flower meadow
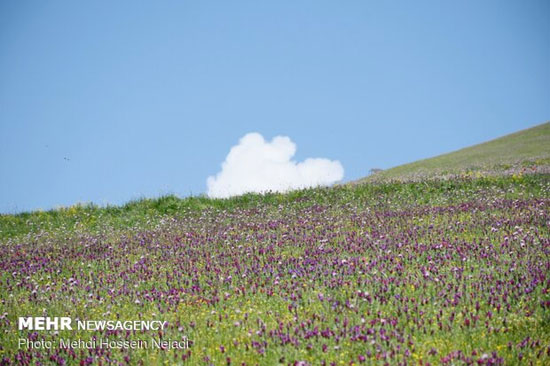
444	272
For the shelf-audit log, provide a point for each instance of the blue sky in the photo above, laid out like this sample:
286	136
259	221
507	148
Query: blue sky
108	101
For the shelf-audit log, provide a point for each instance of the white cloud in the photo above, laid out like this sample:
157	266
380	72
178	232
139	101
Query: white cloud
256	165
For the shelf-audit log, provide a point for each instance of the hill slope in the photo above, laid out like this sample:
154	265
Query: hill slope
529	148
433	272
442	272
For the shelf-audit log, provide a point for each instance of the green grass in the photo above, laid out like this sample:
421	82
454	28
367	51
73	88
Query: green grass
525	149
148	213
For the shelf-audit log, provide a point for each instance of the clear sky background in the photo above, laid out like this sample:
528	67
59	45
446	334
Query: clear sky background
107	101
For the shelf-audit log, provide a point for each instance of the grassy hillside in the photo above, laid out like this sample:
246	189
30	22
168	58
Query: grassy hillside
436	272
430	272
147	214
527	149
